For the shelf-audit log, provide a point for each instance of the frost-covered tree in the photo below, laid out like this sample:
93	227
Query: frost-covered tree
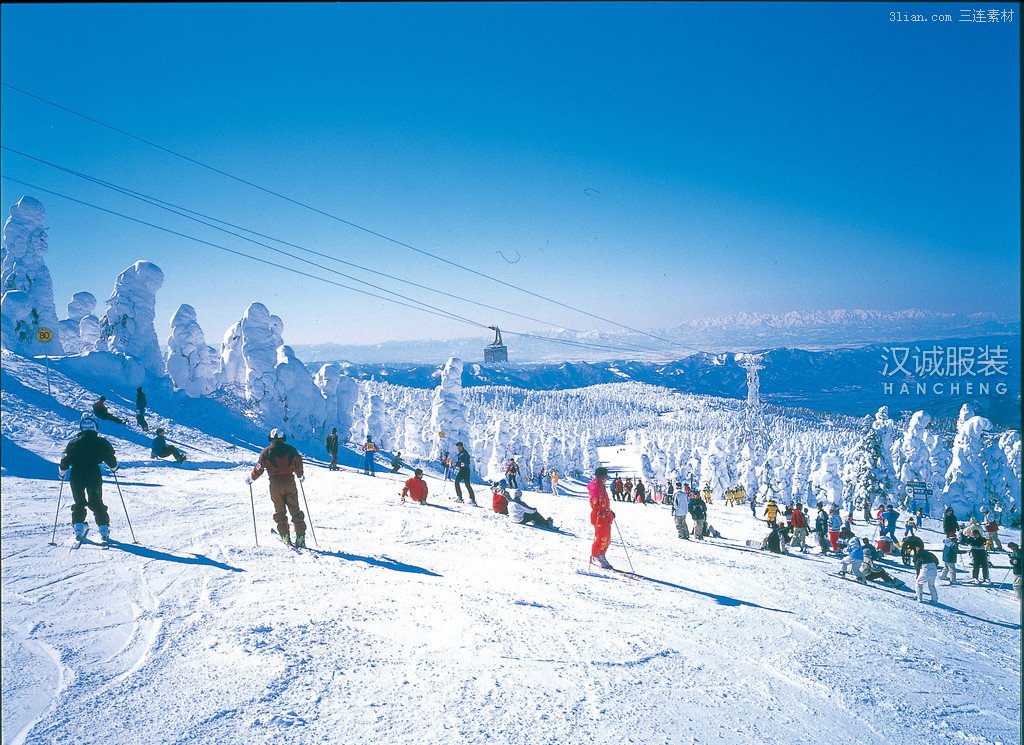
746	473
448	411
302	407
27	303
1009	444
192	365
872	484
715	470
340	394
80	331
129	323
965	478
827	481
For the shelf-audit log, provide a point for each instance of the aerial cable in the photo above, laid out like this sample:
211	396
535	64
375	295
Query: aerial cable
181	212
420	306
342	220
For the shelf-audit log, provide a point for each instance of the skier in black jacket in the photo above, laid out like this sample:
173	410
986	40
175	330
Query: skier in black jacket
949	523
83	456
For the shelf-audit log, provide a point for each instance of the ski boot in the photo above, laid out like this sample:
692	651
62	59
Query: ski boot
300	541
602	562
81	530
104	533
286	538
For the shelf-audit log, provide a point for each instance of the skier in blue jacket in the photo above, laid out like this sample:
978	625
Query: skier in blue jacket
854	559
890	516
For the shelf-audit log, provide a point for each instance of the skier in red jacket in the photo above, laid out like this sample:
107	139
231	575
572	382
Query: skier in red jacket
416	488
601	517
499	498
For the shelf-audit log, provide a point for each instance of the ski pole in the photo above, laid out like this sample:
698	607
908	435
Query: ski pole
311	530
624	546
118	484
252	502
60	497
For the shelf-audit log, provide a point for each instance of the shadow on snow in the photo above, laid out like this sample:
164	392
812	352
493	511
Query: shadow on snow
151	553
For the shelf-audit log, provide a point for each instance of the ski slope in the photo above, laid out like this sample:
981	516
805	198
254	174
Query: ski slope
447	623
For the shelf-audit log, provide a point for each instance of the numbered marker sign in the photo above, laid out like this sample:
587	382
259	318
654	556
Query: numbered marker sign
441	434
44	335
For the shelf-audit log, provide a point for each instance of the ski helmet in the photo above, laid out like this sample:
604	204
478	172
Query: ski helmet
88	422
277	435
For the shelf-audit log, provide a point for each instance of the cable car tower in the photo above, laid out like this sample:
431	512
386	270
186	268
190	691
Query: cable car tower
755	433
496	351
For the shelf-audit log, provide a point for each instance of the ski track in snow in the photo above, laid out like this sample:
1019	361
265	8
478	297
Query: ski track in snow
413	624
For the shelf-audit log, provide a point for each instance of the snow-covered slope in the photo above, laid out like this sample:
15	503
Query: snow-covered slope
447	623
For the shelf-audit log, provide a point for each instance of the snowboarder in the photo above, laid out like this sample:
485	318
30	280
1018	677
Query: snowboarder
140	409
854	558
979	556
462	475
282	463
416	488
368	450
332	448
927	568
499	498
698	511
83	456
522	513
512	473
950	552
396	462
160	449
601	517
100	411
680	510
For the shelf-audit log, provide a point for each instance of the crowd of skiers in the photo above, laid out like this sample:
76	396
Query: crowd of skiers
789	525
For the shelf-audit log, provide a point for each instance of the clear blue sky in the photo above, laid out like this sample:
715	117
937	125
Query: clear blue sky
652	163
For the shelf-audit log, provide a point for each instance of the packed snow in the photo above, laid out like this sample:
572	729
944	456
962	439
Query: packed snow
448	623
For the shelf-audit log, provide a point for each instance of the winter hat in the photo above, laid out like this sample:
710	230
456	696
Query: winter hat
518	493
87	422
601	472
277	435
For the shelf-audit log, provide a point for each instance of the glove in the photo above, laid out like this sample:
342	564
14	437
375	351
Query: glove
62	472
113	470
248	480
301	479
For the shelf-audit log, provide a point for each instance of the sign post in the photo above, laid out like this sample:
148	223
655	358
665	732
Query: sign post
45	336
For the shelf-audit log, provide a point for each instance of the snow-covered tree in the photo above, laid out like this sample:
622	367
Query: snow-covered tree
80	331
129	323
448	411
965	479
872	482
192	365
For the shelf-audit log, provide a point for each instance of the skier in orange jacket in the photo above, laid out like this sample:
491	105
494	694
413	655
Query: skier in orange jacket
601	517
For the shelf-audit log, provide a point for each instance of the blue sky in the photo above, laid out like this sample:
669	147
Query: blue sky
651	163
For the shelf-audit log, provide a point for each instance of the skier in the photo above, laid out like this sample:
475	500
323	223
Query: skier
753	505
707	492
854	558
617	488
950	552
160	449
416	488
100	411
280	460
554	482
641	492
512	473
992	534
798	522
698	511
601	517
771	512
1016	563
890	516
949	523
979	556
463	474
927	568
368	450
499	498
669	494
910	527
540	479
83	456
627	489
522	513
332	448
396	462
140	409
821	528
680	510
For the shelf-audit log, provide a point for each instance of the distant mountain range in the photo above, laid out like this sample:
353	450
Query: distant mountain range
848	381
813	330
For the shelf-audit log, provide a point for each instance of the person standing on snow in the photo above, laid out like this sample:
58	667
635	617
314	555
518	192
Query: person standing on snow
368	452
83	456
512	473
282	463
992	532
698	511
950	552
949	523
1017	564
641	492
798	521
821	528
332	448
140	409
771	512
463	474
554	482
979	556
890	516
927	567
416	488
160	449
601	517
680	510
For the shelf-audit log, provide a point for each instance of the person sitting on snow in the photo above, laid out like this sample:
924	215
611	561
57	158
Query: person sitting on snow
499	498
160	449
522	513
100	411
416	488
854	559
